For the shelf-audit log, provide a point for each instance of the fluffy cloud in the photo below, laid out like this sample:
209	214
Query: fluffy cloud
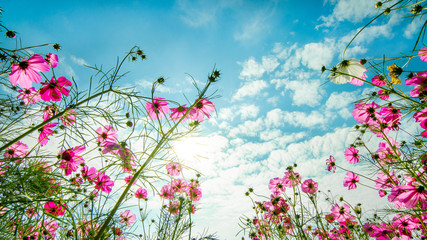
306	92
253	69
277	118
244	111
250	89
316	55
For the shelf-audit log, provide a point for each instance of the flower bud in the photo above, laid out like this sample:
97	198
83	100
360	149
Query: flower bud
378	5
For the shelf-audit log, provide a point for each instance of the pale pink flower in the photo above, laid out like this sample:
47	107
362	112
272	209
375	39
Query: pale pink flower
29	95
423	54
202	108
52	59
341	214
350	180
167	192
277	185
54	89
103	183
106	135
141	193
410	195
179	185
71	159
330	163
391	115
69	117
385	181
26	72
17	150
127	217
291	179
195	194
179	112
309	186
173	169
49	111
158	108
48	228
174	208
126	155
46	131
352	155
357	81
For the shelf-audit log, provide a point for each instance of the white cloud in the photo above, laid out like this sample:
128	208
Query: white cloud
413	27
203	12
250	89
341	100
316	55
248	128
349	10
252	69
147	85
79	61
245	111
306	92
302	119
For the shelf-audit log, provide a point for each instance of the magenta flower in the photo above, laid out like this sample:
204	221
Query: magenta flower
103	183
55	89
174	169
46	131
410	195
52	59
88	174
352	155
383	95
127	217
202	108
158	108
17	150
357	81
106	135
48	228
70	159
391	115
141	193
128	179
179	185
277	185
26	72
379	80
178	113
330	163
29	95
350	180
126	155
309	186
423	54
341	214
366	112
49	111
54	209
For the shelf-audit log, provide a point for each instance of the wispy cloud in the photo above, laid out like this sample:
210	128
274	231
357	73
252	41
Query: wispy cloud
79	61
250	89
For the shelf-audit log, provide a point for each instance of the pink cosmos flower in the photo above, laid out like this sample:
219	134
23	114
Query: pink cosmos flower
128	178
277	185
352	155
291	179
88	174
379	80
179	185
330	163
391	115
202	108
309	186
387	153
158	108
385	181
127	217
423	54
26	72
358	82
30	212
17	150
106	135
49	111
69	117
383	95
366	112
404	224
178	113
174	169
174	208
71	159
54	209
167	192
46	131
103	183
29	95
410	195
141	193
195	194
382	193
55	89
341	214
48	228
350	180
52	59
126	155
87	228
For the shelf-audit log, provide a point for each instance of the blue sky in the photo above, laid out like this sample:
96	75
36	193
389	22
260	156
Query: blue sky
276	107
